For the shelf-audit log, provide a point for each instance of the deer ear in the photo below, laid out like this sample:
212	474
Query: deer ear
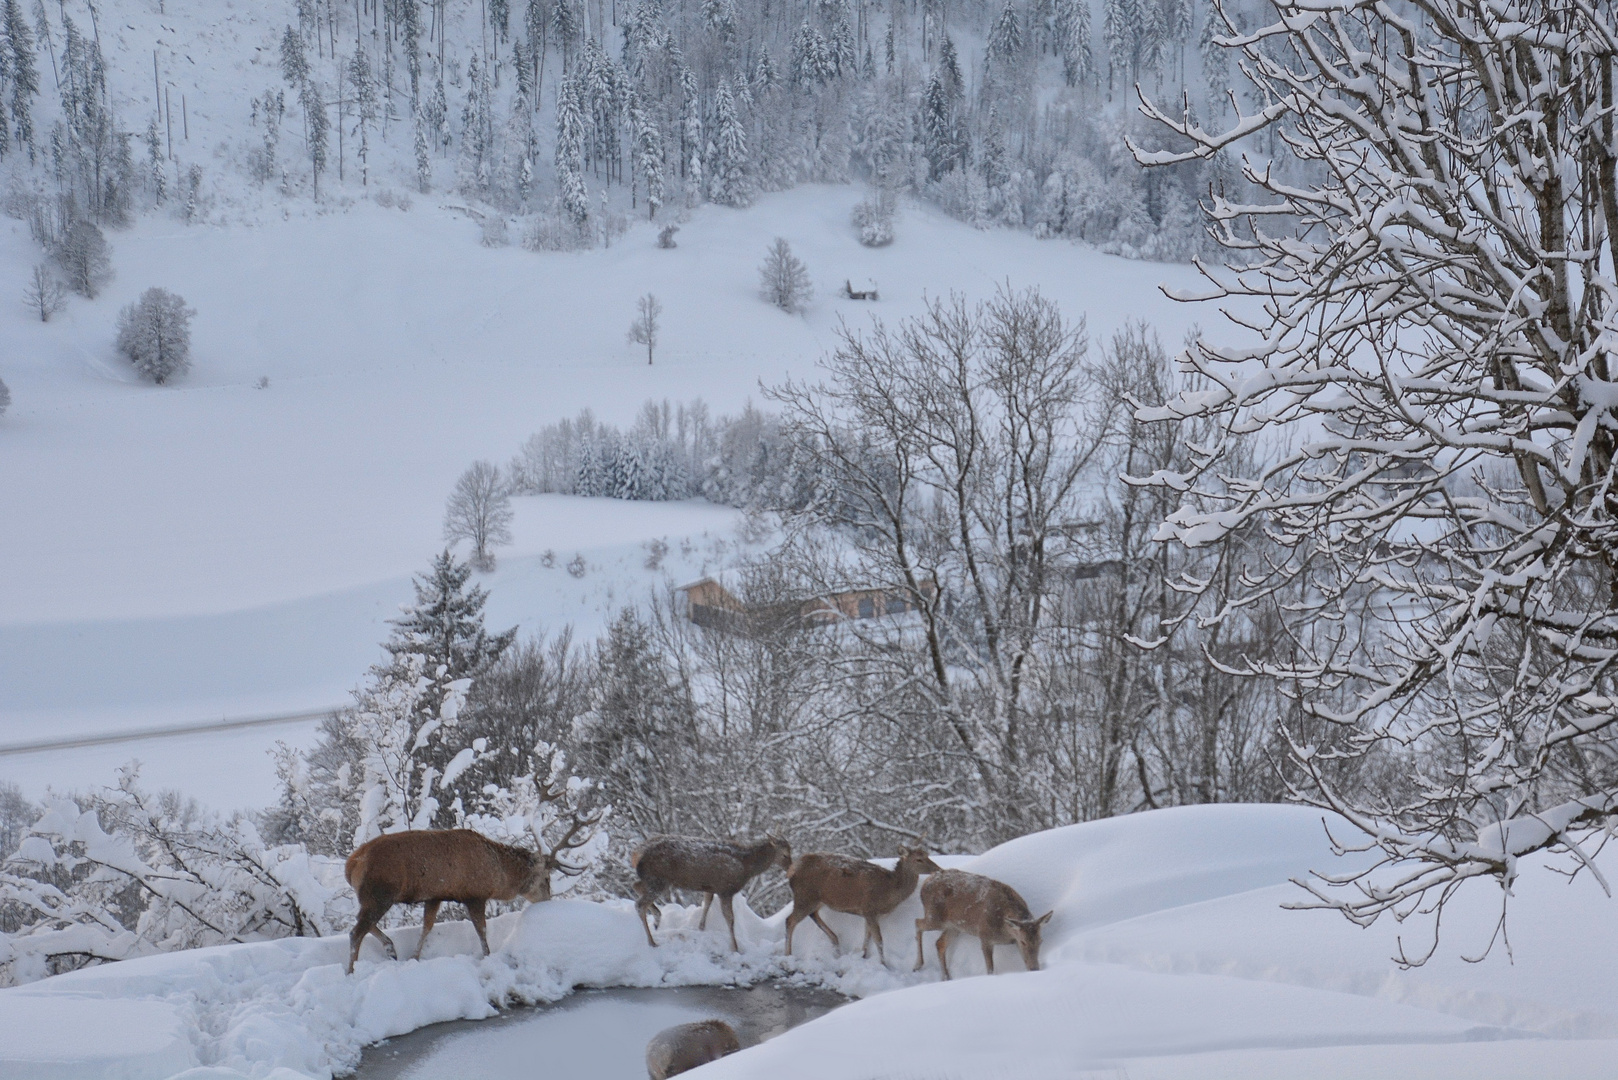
1045	918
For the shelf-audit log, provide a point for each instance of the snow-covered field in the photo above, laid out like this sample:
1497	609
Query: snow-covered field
1169	956
210	549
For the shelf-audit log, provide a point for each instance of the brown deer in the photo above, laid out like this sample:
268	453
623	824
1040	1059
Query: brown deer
435	866
854	887
680	1049
954	901
712	867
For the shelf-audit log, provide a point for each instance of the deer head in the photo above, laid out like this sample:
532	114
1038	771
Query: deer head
780	852
578	830
918	859
1027	933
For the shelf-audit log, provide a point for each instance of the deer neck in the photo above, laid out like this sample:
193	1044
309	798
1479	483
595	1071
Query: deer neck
757	858
901	879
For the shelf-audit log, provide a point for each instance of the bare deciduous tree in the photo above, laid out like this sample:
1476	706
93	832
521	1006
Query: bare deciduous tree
783	278
479	510
643	331
1438	318
44	293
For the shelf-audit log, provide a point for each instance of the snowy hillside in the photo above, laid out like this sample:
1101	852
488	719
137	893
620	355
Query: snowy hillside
242	561
1169	956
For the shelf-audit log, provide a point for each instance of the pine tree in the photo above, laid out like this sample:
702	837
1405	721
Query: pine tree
1073	39
437	114
1121	25
731	185
570	152
156	171
24	76
649	159
1005	42
314	110
424	165
949	71
365	106
938	130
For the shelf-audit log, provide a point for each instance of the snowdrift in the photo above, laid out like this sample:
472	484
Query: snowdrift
1168	956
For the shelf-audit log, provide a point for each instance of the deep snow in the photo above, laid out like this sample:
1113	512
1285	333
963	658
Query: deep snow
210	549
1168	956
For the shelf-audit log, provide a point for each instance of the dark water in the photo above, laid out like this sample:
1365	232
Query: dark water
599	1034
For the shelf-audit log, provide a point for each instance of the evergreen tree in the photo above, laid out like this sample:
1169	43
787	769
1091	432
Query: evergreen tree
437	115
314	111
949	71
731	185
1072	31
365	106
938	129
424	165
570	152
156	171
23	74
1121	26
649	159
1005	42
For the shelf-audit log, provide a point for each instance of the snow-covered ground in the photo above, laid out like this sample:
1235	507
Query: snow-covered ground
210	549
1169	956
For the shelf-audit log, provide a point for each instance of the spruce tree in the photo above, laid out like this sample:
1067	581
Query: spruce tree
731	185
23	74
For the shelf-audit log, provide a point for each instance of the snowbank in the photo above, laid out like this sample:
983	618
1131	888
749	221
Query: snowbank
1168	956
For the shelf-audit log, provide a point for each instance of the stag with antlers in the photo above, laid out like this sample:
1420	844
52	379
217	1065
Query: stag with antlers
435	866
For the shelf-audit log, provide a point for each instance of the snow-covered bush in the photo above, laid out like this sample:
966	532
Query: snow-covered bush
873	217
556	231
84	258
127	873
155	334
492	232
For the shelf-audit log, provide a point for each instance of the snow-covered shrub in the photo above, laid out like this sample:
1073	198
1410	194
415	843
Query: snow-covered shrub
556	232
492	232
873	217
154	333
127	873
665	236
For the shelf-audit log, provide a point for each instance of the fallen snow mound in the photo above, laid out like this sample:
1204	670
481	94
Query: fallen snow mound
1169	955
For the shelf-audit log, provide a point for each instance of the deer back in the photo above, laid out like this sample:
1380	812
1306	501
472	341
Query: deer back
440	864
679	1049
977	905
715	866
856	886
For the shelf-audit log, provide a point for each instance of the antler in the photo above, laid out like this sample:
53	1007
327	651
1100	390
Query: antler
581	827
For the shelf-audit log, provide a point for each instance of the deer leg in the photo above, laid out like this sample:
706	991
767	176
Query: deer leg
873	929
362	926
474	908
644	904
988	956
921	956
429	915
943	952
387	942
730	920
794	917
835	944
707	902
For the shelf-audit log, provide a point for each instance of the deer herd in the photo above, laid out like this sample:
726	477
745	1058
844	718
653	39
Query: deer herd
433	867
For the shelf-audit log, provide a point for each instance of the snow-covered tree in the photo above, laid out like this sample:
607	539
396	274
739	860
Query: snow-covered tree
361	80
643	330
783	278
648	158
424	164
19	69
1434	328
45	294
479	510
5	397
154	333
569	154
130	873
85	259
1072	31
731	185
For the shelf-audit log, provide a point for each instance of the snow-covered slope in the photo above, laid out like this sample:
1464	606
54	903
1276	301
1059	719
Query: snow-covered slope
211	549
1168	956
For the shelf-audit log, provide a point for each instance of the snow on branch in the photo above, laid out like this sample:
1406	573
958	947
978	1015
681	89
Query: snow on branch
1431	316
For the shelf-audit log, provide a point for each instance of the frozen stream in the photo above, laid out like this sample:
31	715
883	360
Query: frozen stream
601	1034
